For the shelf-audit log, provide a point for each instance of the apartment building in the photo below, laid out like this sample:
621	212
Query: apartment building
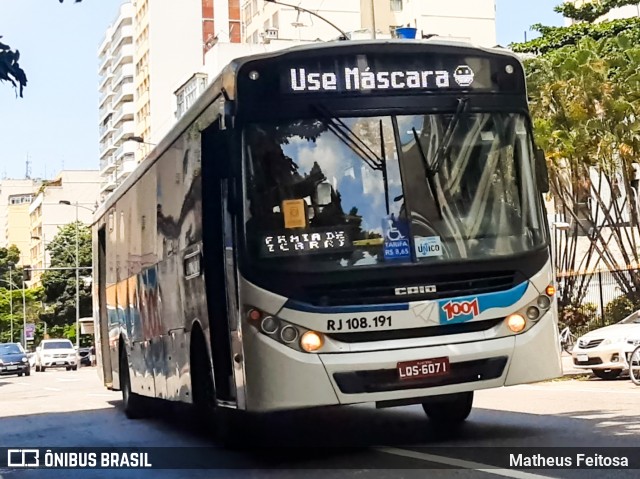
47	214
15	197
116	106
464	20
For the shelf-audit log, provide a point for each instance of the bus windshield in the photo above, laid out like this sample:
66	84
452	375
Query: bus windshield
332	193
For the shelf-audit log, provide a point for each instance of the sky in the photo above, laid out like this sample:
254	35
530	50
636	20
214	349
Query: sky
55	125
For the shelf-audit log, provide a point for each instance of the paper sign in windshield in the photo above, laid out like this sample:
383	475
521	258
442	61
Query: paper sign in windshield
292	244
428	247
294	213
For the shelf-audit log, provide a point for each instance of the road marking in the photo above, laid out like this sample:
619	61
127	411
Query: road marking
52	389
461	463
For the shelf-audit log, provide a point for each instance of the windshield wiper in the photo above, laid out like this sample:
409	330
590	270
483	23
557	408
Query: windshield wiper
430	174
445	144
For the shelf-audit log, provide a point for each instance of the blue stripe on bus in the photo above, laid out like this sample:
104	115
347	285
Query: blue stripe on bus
452	310
309	308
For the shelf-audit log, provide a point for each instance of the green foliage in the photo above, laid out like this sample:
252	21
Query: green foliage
554	38
620	308
33	308
10	257
60	285
591	11
578	317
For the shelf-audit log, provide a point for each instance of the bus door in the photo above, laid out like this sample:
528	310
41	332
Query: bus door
219	263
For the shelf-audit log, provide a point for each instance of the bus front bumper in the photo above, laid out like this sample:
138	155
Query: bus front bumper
280	378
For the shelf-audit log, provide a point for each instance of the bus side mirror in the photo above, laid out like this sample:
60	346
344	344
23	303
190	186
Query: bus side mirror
542	172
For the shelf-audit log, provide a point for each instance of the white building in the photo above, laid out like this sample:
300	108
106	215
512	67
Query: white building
466	20
47	214
116	107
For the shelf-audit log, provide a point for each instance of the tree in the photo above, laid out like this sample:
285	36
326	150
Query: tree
60	285
33	303
585	26
10	70
10	257
585	100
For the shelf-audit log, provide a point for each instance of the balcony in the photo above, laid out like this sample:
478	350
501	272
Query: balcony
127	148
104	63
107	165
109	184
124	94
106	147
105	110
124	131
122	56
104	130
124	33
124	113
121	74
104	97
104	79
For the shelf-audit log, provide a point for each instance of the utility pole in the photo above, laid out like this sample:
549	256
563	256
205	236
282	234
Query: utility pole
373	19
11	300
77	282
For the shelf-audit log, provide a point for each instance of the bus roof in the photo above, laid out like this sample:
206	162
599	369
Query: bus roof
226	80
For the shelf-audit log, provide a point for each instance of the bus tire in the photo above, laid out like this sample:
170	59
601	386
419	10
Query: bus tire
133	404
450	409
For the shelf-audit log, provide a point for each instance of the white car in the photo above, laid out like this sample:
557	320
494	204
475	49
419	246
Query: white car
56	353
605	350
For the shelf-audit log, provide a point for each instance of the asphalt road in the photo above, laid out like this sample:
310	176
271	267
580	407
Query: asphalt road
71	409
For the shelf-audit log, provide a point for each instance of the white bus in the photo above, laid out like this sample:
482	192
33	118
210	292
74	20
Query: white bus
338	223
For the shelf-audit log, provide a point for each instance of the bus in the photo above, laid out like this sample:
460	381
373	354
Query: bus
333	224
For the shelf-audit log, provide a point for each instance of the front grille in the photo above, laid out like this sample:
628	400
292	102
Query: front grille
583	344
59	355
427	332
383	291
357	382
590	362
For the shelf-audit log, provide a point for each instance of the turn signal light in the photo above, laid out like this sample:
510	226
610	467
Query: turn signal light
254	315
550	290
311	341
516	322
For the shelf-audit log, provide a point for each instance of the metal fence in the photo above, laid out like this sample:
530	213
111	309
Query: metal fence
589	300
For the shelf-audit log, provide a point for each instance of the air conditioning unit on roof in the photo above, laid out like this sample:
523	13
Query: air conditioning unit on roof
271	33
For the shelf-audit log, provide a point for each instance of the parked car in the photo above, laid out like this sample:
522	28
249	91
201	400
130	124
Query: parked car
605	350
13	360
85	356
56	353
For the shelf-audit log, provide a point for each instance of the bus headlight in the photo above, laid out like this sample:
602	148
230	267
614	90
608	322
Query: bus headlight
311	341
516	322
291	335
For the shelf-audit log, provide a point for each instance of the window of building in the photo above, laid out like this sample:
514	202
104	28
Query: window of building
396	5
275	21
20	199
187	94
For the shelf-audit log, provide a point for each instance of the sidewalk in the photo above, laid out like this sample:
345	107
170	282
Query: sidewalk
568	369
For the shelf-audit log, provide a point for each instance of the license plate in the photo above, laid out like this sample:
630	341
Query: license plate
583	358
12	368
423	368
60	362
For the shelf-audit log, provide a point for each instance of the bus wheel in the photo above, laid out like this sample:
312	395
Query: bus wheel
132	403
450	409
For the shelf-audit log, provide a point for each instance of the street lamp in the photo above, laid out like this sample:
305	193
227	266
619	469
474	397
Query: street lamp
139	139
77	206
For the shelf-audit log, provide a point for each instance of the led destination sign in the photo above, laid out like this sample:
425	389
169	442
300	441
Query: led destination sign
400	73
